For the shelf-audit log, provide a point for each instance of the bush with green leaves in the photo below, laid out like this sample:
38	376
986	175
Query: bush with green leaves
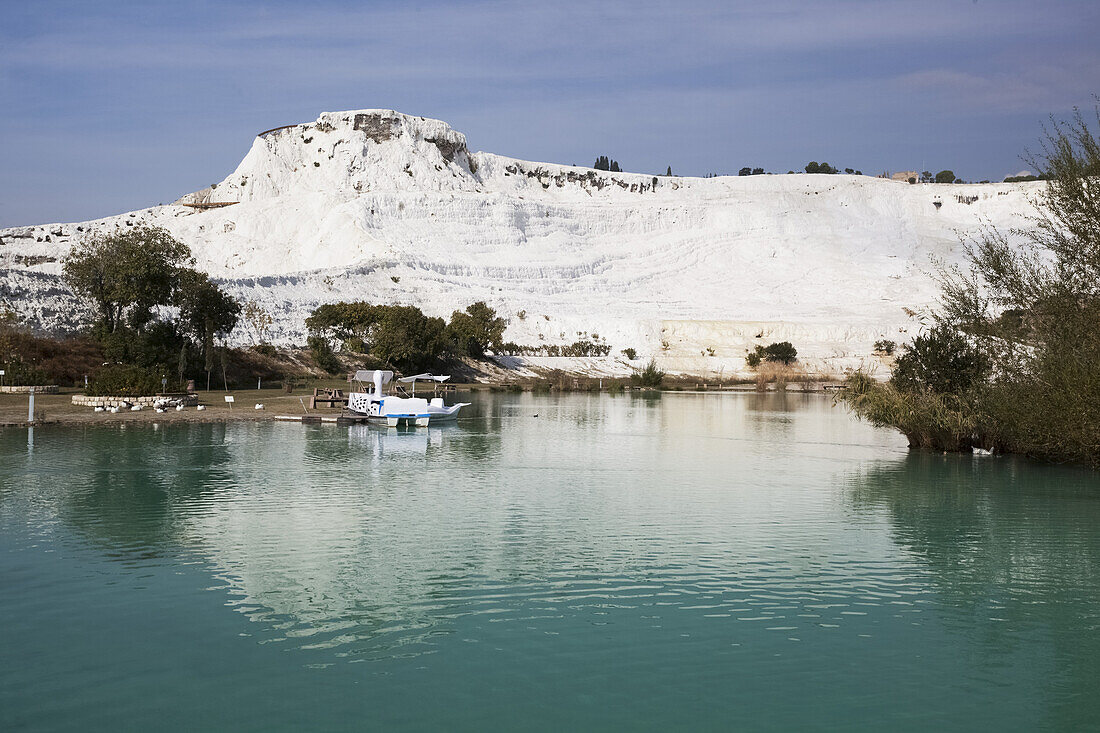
782	352
650	376
941	360
18	373
630	353
929	420
125	380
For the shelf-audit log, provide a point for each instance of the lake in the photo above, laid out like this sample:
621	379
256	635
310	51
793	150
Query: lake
552	562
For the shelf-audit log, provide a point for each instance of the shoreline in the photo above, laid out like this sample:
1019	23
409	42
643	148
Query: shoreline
58	410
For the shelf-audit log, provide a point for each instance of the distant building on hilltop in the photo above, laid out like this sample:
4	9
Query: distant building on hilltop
905	176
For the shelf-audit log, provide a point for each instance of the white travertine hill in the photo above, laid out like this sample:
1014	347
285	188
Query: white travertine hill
390	208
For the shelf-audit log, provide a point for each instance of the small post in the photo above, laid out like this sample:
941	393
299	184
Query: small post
164	385
30	405
257	382
229	399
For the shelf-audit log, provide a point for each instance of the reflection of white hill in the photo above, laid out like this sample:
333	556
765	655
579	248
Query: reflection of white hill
329	532
347	535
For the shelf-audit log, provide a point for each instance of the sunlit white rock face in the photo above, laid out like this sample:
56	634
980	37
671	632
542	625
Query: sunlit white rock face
390	208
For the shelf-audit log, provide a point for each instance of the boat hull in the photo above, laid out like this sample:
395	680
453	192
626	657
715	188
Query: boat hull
389	410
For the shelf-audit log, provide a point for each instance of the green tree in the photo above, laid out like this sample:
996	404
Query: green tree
476	330
407	339
341	322
126	275
941	360
813	167
1028	306
945	177
204	306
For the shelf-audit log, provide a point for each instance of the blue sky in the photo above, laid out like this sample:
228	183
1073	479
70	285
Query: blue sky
111	106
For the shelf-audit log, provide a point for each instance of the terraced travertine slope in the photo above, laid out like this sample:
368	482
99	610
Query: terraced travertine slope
386	207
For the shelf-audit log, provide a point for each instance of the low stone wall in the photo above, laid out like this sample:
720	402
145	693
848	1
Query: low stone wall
38	389
114	401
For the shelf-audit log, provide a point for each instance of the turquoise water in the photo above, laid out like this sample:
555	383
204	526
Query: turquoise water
689	562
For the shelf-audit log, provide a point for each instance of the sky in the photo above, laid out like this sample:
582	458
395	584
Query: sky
107	107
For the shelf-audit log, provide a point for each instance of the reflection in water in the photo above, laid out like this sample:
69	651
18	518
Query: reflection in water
684	558
1013	552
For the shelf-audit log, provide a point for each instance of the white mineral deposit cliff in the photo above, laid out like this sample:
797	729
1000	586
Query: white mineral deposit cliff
385	207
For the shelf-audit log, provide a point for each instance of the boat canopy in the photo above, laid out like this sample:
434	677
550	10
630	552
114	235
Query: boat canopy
424	378
368	375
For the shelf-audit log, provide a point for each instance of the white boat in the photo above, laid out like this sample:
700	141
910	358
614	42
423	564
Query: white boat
396	410
437	411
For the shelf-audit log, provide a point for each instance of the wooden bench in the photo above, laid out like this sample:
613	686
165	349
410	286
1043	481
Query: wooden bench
327	398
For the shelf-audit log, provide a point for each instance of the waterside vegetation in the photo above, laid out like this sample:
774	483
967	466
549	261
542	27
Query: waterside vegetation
1011	362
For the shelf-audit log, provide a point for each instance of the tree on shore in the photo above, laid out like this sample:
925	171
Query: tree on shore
477	329
126	275
1016	342
132	279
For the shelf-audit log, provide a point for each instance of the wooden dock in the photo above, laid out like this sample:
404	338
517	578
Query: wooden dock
318	419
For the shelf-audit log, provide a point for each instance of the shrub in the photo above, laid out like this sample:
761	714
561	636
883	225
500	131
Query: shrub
885	346
18	373
585	348
782	352
650	376
265	349
126	380
930	421
942	360
630	353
